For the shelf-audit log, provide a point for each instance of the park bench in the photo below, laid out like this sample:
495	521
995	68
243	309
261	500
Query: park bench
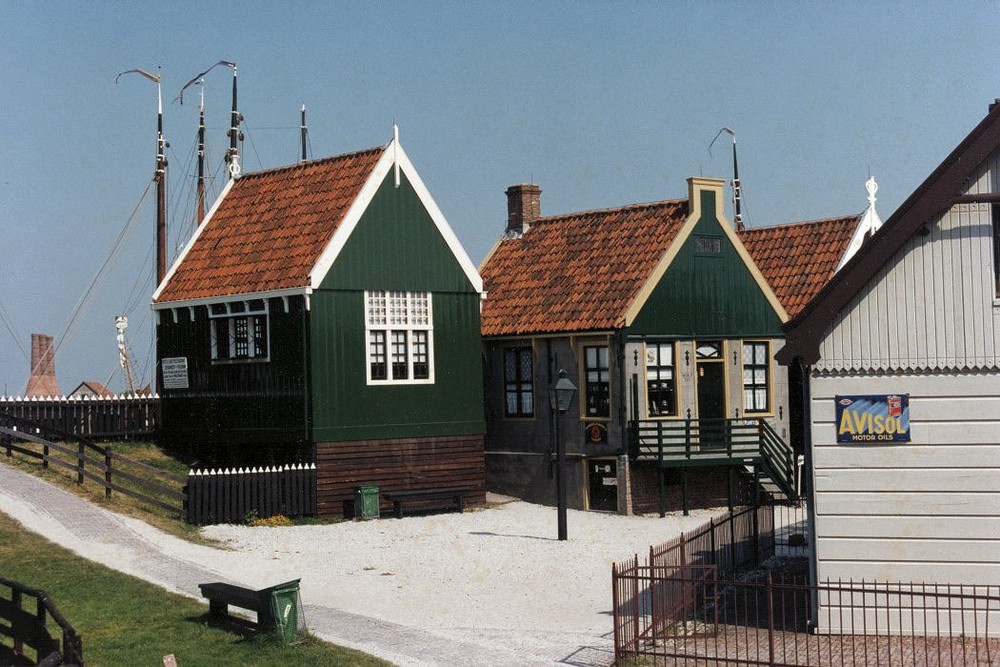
221	596
452	496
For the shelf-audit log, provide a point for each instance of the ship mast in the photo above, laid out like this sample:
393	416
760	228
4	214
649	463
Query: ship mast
201	156
160	176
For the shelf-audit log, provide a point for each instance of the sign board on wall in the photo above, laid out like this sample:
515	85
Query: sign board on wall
873	418
175	372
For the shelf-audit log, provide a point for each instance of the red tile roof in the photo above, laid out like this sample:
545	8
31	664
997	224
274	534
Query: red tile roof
270	229
799	259
576	272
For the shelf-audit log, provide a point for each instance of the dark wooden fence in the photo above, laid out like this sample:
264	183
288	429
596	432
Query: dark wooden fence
240	495
89	460
23	629
116	418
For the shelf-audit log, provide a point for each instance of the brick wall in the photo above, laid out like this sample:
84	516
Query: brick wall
706	488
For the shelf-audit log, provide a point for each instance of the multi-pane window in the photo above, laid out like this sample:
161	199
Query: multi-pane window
400	337
661	383
756	365
597	381
518	378
239	330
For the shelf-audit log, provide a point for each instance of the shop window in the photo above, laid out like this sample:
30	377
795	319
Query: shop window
597	381
661	382
756	377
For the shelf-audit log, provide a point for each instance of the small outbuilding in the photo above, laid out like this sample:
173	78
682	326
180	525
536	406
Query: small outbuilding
325	312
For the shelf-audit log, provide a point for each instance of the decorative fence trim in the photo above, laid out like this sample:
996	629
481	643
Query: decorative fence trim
95	417
237	495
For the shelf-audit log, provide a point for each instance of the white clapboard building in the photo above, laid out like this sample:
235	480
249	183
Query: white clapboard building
902	352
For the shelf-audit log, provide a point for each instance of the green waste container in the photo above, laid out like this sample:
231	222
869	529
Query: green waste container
366	502
285	607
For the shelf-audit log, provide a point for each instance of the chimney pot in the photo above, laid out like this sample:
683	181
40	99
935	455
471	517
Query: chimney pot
524	205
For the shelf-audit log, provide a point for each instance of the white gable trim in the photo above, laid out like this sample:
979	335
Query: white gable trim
394	157
242	296
194	237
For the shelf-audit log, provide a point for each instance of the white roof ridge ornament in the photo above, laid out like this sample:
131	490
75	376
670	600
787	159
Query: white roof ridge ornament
869	224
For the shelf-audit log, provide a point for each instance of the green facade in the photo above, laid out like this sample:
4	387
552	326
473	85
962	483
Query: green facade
395	246
707	293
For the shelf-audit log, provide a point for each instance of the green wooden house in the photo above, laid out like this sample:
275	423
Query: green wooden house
662	319
325	312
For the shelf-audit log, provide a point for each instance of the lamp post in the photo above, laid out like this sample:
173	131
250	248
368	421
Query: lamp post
560	396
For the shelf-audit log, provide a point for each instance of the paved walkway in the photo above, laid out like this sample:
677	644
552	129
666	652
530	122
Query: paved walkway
133	547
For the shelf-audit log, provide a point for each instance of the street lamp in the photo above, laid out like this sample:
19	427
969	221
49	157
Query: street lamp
560	396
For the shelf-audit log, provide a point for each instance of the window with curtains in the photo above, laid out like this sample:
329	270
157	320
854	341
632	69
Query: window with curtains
597	379
239	330
518	379
661	381
756	377
399	333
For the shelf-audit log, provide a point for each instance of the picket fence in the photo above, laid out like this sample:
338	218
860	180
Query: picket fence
243	494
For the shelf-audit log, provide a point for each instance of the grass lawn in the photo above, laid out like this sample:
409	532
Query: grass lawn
126	621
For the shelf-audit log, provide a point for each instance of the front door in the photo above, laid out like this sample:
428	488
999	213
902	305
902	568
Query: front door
603	483
711	394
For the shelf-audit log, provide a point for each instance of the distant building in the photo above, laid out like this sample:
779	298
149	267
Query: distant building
92	389
42	382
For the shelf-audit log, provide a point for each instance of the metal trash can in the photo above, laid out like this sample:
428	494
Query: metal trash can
366	502
287	612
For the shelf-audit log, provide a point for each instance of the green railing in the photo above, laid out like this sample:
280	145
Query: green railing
701	442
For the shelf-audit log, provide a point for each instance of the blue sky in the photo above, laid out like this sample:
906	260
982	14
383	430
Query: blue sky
601	104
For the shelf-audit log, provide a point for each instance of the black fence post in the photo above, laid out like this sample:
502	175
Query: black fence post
107	472
79	464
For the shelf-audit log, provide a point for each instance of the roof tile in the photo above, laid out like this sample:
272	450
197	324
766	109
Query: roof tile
576	272
271	228
799	259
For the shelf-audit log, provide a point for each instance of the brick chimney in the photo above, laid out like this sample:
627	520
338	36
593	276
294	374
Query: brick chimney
42	381
524	204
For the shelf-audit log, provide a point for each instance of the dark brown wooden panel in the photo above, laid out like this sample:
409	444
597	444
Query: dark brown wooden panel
397	465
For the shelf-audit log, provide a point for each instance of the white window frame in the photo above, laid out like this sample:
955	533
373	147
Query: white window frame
228	319
751	383
393	318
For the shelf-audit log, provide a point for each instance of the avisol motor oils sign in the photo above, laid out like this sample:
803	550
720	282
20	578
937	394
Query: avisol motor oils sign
874	418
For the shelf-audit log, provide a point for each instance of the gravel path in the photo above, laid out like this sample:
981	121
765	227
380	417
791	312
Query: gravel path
486	587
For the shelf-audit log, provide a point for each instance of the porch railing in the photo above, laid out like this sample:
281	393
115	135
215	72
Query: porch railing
715	441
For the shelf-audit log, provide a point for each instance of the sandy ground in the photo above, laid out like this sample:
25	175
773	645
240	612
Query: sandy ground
498	568
488	586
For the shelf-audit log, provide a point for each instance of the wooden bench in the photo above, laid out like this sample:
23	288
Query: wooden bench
221	596
452	495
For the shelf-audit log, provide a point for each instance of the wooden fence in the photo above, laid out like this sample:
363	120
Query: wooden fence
237	496
92	461
28	628
114	418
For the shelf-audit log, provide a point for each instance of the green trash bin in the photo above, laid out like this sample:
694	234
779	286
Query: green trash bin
285	607
366	502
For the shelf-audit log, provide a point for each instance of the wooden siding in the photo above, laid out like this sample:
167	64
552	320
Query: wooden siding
397	465
703	294
397	246
345	407
926	510
933	306
229	404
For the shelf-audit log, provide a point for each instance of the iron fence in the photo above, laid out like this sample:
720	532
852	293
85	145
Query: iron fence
689	615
